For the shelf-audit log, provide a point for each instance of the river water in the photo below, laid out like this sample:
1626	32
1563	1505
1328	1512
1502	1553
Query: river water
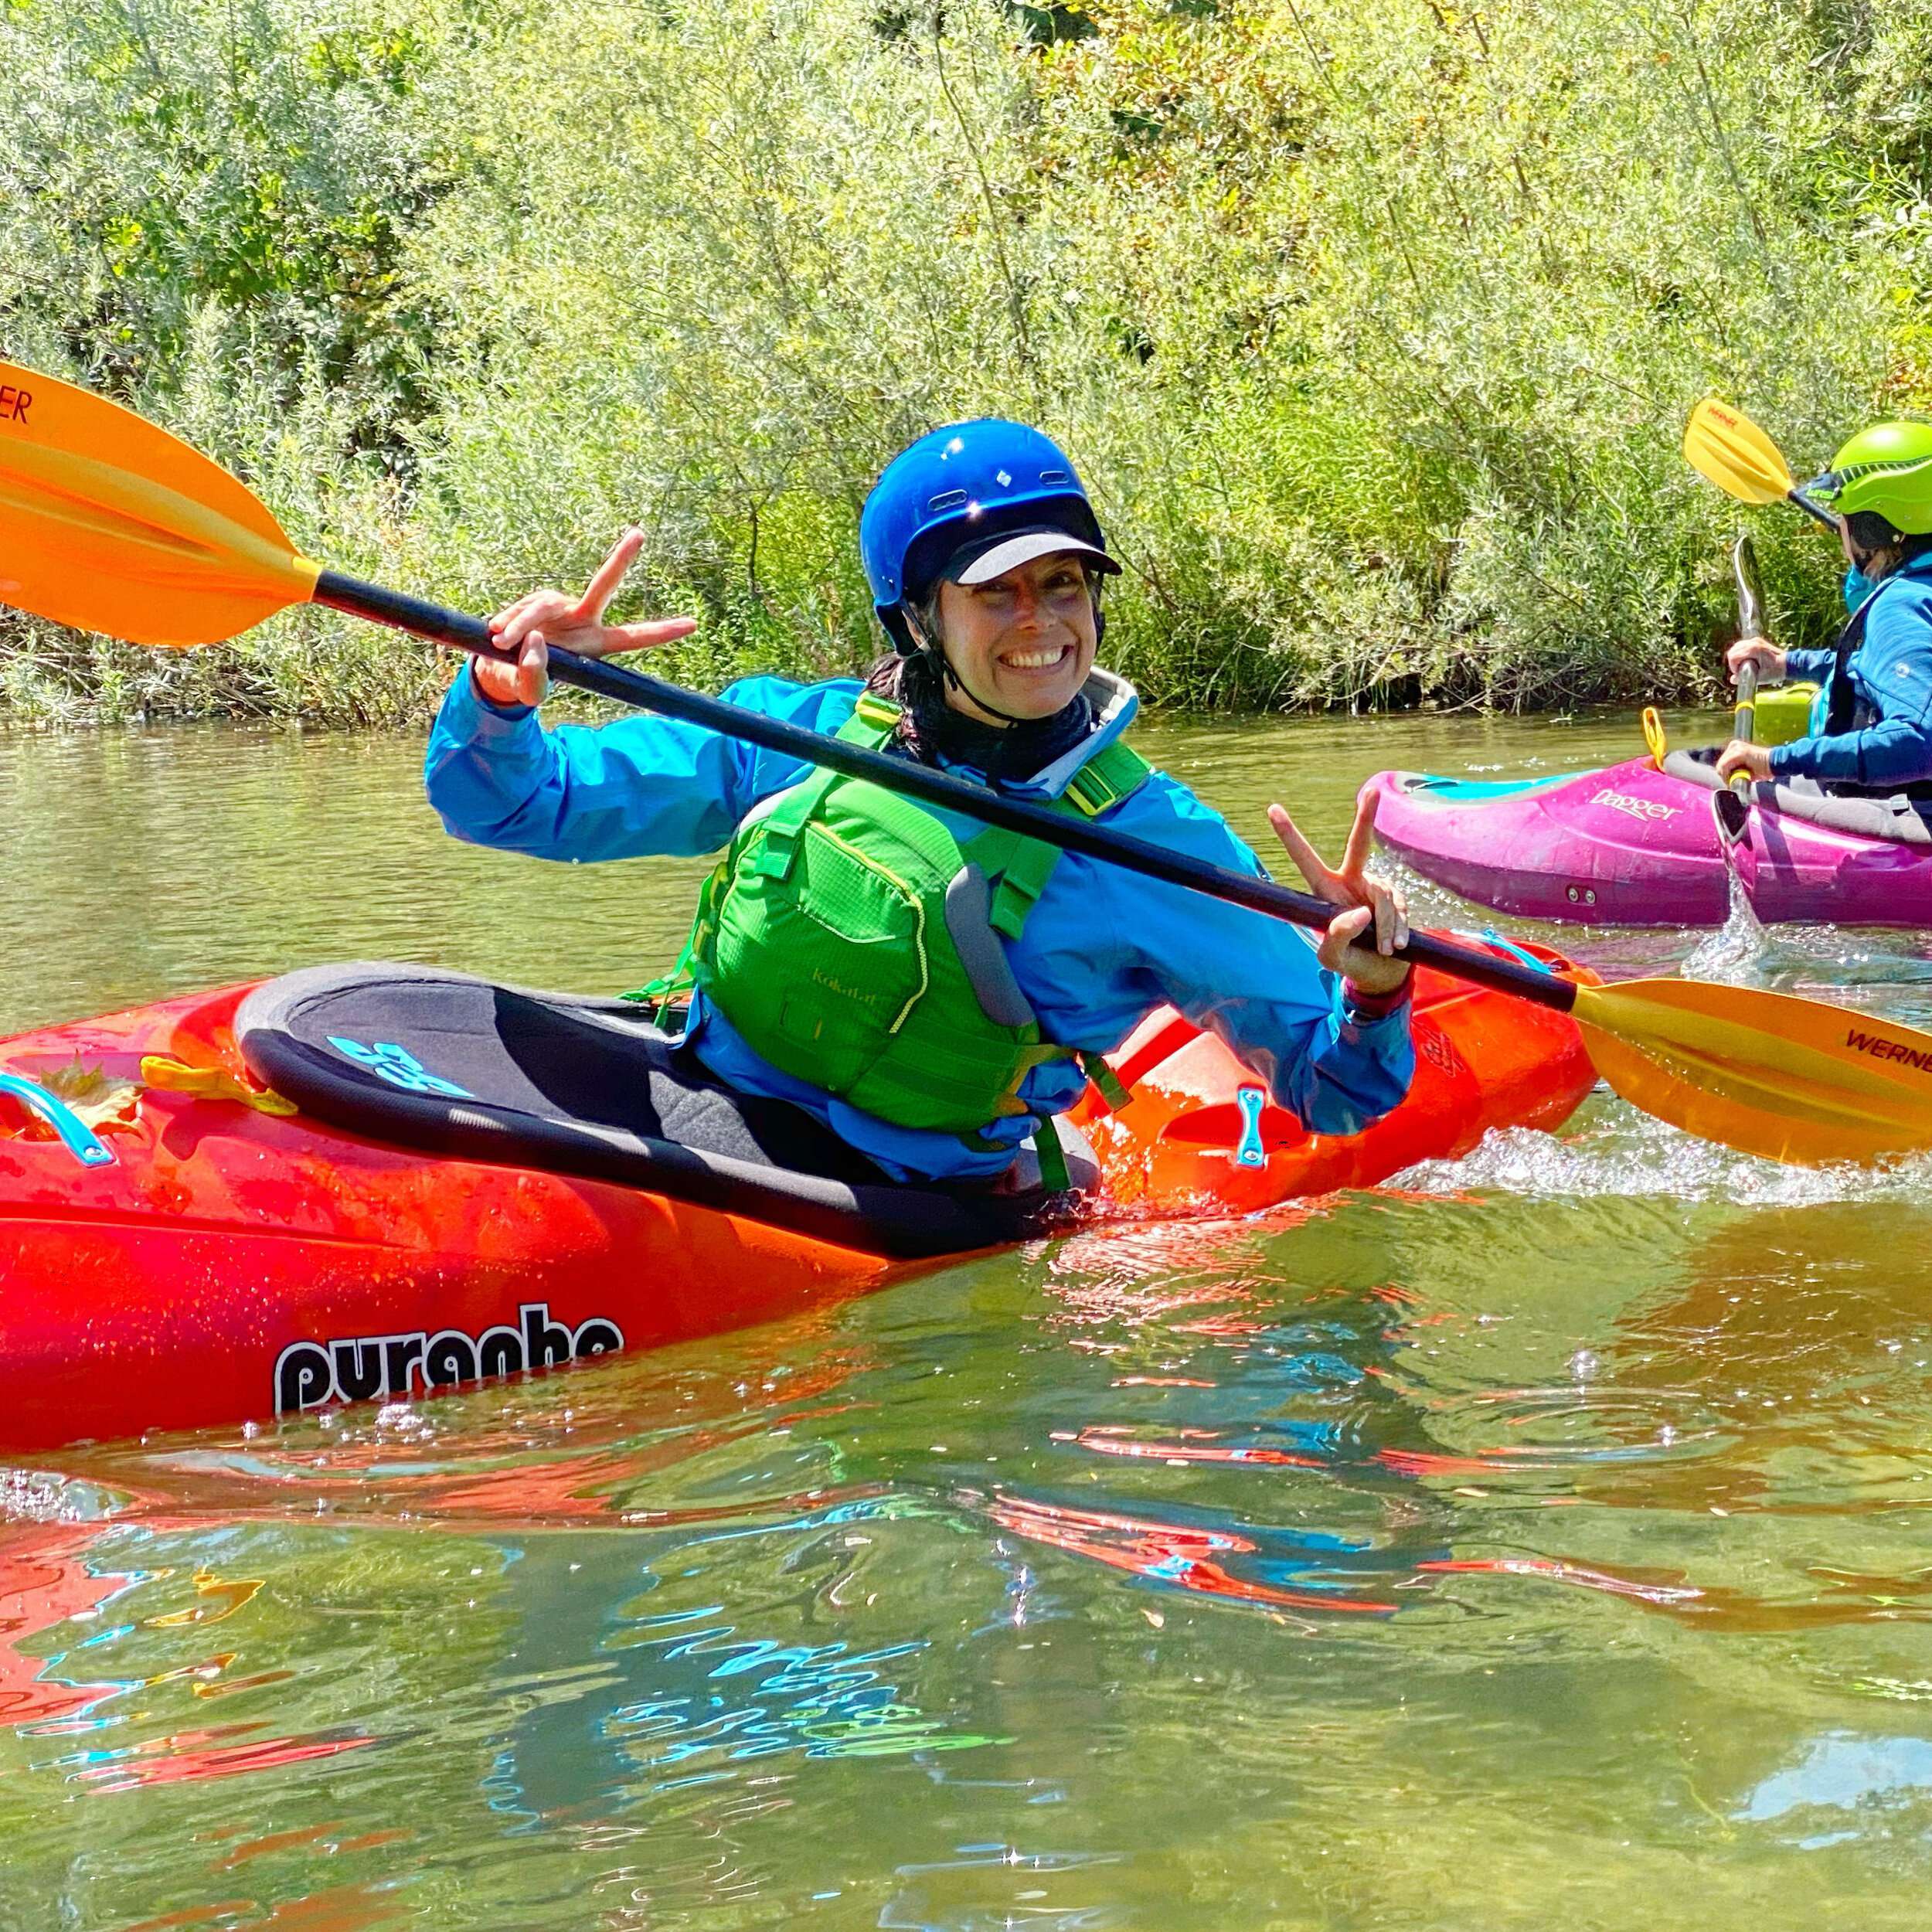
1563	1508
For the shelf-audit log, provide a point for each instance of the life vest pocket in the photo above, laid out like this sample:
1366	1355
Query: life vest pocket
825	962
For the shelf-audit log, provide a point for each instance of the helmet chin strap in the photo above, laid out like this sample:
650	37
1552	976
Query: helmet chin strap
929	646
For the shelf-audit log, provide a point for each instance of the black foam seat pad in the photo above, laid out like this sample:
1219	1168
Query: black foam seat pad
454	1065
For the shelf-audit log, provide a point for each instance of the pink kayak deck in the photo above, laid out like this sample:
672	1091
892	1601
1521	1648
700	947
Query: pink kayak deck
1635	845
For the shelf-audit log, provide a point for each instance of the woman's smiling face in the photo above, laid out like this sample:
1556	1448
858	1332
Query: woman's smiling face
1021	645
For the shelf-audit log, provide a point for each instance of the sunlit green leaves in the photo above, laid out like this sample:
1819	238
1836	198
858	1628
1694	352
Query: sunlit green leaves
1372	326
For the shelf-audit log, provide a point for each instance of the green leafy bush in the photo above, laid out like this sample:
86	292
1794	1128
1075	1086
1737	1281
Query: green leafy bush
1372	327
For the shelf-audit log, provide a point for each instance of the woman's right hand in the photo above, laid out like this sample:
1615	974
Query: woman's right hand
1758	651
532	624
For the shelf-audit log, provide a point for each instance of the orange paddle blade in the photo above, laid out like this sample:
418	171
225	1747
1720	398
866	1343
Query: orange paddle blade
1768	1073
1725	445
109	524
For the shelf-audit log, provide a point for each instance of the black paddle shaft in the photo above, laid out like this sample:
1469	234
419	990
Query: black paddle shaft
1093	840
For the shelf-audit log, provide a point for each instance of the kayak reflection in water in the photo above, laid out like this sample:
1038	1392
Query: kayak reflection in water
1871	725
932	990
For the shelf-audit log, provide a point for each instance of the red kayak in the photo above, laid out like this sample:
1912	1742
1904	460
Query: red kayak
376	1182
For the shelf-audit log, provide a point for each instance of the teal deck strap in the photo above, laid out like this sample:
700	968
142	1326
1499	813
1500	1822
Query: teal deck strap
1515	951
1249	1151
76	1135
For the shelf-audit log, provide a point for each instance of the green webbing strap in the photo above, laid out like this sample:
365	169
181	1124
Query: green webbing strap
783	825
1113	773
660	992
683	978
1112	1089
1047	1151
873	720
1052	1158
1017	868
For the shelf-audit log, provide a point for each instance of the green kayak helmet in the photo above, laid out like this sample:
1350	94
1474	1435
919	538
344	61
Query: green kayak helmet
1885	471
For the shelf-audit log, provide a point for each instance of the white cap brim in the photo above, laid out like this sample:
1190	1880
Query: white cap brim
1023	549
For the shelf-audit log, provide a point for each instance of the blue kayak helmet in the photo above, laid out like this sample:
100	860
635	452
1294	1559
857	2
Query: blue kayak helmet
961	488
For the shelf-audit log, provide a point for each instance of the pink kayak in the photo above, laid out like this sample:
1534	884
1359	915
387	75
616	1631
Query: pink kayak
1638	845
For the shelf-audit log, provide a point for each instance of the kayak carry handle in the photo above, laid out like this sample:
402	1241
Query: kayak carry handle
76	1135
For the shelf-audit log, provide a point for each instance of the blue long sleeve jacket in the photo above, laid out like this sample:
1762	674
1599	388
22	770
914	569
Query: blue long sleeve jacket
1891	671
1102	949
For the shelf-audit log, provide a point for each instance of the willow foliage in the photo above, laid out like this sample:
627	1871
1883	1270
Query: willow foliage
1372	323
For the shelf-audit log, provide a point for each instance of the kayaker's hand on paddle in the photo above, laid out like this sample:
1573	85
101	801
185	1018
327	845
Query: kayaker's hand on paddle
532	624
1367	961
1758	651
1754	760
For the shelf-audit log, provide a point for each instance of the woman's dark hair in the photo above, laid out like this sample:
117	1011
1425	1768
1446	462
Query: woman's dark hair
913	684
1870	534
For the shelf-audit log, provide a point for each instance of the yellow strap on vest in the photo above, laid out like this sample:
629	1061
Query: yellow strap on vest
1113	773
876	719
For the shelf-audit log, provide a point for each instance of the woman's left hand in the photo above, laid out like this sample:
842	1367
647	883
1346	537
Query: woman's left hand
1367	959
1754	760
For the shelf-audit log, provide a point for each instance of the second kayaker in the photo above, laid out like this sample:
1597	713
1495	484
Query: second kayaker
933	992
1872	725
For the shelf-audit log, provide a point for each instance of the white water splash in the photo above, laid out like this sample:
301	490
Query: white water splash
33	1496
1735	953
1623	1154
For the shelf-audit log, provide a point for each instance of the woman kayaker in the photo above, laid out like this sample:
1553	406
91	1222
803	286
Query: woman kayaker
932	990
1872	726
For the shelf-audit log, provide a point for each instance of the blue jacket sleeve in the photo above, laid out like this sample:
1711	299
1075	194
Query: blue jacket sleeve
1255	983
1893	668
638	786
1808	667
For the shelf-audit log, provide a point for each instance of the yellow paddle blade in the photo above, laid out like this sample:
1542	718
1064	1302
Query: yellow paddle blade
1729	448
107	523
1794	1079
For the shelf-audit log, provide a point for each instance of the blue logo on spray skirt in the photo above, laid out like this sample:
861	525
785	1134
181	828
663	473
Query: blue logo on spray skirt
400	1067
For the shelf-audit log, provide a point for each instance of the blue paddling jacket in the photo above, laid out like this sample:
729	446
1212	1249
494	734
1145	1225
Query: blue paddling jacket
1872	729
1103	948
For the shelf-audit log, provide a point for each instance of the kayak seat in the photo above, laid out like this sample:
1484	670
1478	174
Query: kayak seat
1895	816
453	1065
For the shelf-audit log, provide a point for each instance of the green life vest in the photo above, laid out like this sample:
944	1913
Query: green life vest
853	942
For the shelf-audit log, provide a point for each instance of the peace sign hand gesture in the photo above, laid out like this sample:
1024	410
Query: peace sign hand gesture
1373	967
532	624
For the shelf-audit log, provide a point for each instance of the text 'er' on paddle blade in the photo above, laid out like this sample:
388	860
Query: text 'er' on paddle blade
1767	1074
110	524
1733	453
